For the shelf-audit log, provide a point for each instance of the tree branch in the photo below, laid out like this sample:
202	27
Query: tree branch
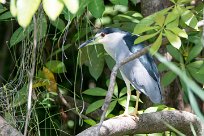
148	123
8	130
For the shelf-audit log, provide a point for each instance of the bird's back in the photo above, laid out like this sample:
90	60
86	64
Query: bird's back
142	72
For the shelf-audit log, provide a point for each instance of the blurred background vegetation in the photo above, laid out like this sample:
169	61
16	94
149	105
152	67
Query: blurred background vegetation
82	76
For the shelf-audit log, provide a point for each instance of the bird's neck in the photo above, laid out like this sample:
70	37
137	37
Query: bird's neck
118	51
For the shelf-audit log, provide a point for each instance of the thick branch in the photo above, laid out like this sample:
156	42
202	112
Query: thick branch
8	130
148	123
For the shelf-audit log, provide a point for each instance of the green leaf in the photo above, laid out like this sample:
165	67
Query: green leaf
159	19
168	78
19	35
188	82
120	2
111	107
145	37
56	66
96	7
139	30
162	67
156	45
59	24
190	19
124	91
13	8
94	106
173	39
21	96
6	15
95	92
174	52
25	11
178	31
96	63
193	69
90	122
72	5
151	109
196	49
170	18
201	70
53	8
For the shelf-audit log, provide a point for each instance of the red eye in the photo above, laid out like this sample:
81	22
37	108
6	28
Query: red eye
103	34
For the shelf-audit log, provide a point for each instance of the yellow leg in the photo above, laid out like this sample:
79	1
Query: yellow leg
136	105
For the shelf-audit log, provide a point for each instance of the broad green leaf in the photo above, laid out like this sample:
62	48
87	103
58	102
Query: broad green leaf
59	24
96	63
53	8
111	107
193	68
139	30
178	31
94	106
162	67
72	5
145	37
159	19
95	92
201	70
196	49
170	17
168	78
156	45
174	23
188	82
120	2
56	66
174	52
173	39
6	15
90	122
21	96
13	8
124	91
19	35
190	19
96	7
25	11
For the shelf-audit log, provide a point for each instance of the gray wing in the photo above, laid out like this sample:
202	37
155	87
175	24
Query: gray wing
144	75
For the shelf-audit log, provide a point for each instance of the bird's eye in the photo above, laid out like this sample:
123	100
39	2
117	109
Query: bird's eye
103	34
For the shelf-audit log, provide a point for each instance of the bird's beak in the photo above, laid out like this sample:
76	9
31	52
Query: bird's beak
91	41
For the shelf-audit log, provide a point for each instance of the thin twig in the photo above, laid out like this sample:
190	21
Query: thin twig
31	75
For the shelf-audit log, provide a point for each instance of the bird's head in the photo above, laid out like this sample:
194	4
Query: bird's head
104	36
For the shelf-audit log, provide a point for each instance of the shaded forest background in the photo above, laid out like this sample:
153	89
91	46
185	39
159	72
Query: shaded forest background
69	85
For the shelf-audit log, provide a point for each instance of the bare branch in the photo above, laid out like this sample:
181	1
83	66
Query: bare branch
148	123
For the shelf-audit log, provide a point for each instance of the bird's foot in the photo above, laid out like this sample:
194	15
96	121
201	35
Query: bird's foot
132	115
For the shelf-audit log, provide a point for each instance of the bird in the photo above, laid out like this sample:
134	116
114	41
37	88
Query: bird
141	73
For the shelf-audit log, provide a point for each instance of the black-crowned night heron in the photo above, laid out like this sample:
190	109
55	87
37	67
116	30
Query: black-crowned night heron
141	73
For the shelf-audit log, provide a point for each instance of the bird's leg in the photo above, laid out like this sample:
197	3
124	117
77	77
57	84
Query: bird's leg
136	105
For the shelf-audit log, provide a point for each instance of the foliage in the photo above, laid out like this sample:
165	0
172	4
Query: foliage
61	26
